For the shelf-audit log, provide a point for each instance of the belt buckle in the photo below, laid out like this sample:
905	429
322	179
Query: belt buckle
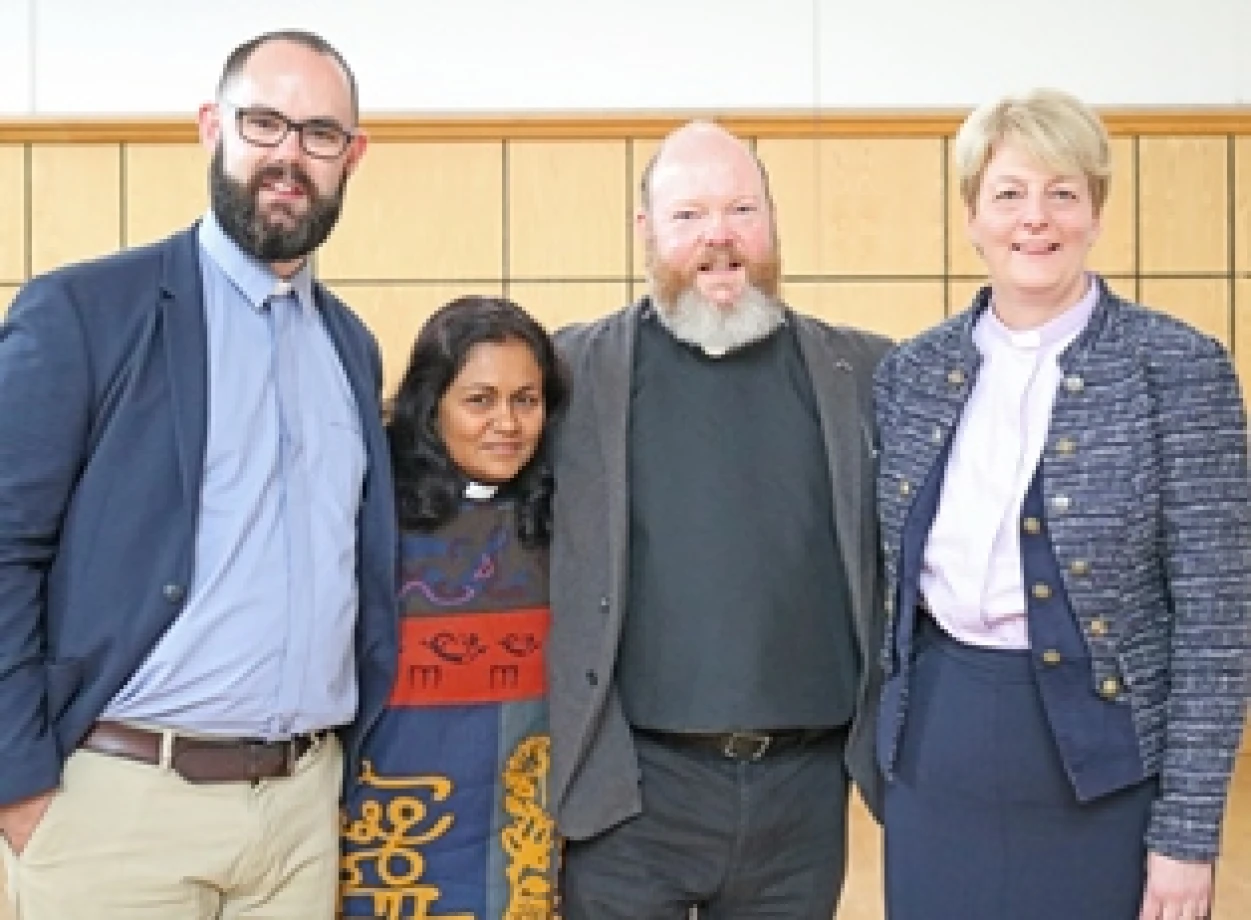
758	745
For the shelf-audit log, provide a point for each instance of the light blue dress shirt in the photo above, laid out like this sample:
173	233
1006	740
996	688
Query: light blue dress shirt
264	645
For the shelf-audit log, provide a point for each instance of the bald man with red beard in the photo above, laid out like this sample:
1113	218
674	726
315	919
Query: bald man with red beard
714	582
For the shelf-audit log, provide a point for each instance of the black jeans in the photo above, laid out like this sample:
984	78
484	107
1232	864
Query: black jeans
735	840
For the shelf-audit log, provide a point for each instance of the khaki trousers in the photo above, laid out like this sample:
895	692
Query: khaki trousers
123	840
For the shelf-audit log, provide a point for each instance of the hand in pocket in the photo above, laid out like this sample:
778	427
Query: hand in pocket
19	820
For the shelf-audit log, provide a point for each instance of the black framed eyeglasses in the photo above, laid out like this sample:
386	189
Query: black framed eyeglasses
320	138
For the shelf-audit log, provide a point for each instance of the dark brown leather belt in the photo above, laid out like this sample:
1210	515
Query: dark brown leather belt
744	745
202	760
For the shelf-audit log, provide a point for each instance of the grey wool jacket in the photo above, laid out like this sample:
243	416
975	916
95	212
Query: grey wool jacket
595	774
1146	489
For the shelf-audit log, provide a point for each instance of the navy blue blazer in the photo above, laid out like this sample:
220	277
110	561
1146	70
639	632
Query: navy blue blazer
103	422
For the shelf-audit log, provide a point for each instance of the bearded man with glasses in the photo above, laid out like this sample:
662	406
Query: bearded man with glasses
197	536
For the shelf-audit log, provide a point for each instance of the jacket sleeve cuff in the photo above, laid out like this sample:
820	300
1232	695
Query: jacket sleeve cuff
1186	831
32	771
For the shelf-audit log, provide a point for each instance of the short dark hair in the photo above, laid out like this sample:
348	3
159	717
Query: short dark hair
428	487
238	59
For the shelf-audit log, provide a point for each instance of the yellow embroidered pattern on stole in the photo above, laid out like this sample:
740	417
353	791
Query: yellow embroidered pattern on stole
527	841
396	859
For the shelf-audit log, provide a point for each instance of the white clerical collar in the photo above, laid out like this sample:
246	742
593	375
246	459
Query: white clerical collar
1057	331
480	491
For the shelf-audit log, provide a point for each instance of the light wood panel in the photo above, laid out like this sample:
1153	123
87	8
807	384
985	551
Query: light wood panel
75	203
1112	252
960	293
962	259
1242	359
1204	303
12	212
1242	204
1125	288
641	152
1233	869
395	313
556	305
1184	204
422	211
436	212
1118	232
568	210
7	293
862	891
166	189
858	207
896	309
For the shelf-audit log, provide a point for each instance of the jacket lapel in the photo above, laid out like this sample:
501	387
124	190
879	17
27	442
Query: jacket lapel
186	354
846	446
610	387
354	362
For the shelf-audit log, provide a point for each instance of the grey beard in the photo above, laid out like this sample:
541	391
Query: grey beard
718	330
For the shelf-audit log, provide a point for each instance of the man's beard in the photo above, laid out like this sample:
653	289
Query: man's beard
691	317
237	208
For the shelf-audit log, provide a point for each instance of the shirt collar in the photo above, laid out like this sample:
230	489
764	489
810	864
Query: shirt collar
480	491
1056	332
253	279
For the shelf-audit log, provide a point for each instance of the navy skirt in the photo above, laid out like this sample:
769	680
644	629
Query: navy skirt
981	821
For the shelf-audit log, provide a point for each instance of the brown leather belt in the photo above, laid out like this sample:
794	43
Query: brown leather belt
202	760
744	745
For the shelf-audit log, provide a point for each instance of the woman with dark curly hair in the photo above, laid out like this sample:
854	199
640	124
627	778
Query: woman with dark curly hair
450	811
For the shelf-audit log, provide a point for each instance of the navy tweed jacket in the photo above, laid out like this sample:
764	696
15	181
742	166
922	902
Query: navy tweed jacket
1149	509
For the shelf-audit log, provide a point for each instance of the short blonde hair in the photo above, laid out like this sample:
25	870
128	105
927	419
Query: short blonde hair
1056	129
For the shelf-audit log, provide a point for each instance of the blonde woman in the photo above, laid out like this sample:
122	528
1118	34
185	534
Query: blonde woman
1064	505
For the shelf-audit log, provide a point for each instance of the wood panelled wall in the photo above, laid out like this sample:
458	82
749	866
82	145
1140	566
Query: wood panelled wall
540	209
870	221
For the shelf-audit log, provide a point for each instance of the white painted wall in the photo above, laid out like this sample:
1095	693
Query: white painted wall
15	59
159	57
1242	43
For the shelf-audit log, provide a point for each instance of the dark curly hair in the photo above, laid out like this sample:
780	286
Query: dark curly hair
428	487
